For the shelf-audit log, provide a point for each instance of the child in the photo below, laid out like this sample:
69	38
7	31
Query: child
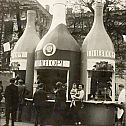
73	94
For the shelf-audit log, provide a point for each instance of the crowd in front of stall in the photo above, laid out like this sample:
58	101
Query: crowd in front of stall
15	102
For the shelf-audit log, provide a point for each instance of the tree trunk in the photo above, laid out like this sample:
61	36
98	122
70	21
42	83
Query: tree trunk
20	31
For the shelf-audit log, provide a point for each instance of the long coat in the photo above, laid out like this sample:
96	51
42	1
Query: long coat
11	96
40	97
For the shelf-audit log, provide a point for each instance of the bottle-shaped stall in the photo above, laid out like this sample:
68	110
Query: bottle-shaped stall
22	56
57	56
98	72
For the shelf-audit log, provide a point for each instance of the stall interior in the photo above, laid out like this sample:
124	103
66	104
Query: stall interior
100	82
50	77
100	85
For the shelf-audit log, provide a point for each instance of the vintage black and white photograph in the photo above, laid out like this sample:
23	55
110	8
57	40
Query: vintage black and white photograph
62	62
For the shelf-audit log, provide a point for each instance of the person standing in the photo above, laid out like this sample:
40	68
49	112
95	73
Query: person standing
21	93
73	93
1	90
78	104
60	104
11	102
121	100
39	100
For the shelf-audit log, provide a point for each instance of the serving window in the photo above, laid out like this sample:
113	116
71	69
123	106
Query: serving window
50	77
99	86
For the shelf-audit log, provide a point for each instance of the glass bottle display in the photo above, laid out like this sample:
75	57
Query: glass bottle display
57	56
22	56
98	60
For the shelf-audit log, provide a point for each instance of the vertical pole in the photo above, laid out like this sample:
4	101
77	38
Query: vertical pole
35	81
1	35
113	86
14	74
124	37
125	105
67	91
35	76
87	84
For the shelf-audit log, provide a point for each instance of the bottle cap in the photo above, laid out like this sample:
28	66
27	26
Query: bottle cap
64	2
99	3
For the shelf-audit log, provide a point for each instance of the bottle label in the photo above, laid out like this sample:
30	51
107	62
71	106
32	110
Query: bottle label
49	49
101	54
54	63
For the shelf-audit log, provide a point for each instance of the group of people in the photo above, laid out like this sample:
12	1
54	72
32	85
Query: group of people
40	103
59	109
14	100
15	94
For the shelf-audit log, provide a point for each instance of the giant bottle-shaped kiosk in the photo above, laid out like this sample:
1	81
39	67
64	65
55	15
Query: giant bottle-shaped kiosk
98	73
24	51
57	56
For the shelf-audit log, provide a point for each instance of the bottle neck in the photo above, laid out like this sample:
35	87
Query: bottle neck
30	25
59	15
98	17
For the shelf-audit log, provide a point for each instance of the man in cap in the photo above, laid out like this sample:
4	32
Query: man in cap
121	100
11	102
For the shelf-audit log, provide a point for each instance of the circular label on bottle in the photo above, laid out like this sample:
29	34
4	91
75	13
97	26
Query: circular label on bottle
49	49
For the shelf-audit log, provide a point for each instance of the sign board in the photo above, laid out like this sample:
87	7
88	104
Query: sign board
101	53
18	55
53	63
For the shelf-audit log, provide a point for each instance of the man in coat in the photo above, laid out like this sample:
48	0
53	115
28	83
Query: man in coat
1	90
11	102
121	101
39	100
60	104
21	93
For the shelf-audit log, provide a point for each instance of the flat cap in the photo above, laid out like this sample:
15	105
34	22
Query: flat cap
121	85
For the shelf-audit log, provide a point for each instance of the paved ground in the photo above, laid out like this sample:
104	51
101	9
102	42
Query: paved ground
2	122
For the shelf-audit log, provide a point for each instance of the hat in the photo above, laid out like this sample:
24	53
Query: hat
20	81
40	85
121	85
59	84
